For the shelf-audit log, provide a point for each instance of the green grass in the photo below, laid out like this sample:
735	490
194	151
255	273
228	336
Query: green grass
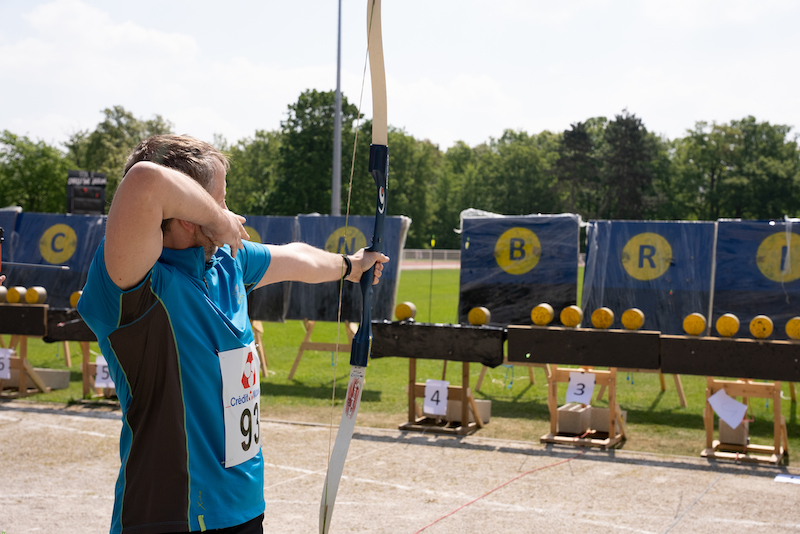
656	422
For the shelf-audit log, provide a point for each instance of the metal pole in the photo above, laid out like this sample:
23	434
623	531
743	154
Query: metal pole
336	186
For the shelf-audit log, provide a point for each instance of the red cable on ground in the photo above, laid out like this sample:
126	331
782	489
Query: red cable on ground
497	488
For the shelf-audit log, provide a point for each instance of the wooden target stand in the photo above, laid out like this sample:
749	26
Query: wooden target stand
417	421
23	321
476	342
307	344
24	367
592	438
746	453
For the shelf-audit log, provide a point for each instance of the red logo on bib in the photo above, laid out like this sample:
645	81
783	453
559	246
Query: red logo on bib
247	378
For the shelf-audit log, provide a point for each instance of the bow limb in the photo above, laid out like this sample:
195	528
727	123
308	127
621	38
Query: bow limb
362	341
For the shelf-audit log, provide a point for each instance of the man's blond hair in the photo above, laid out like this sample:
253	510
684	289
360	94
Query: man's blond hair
193	157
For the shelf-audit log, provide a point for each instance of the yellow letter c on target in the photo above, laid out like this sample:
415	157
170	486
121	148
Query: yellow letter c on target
58	244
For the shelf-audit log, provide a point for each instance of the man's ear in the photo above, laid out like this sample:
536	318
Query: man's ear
186	225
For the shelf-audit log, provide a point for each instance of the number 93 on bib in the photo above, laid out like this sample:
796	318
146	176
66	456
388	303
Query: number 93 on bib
241	392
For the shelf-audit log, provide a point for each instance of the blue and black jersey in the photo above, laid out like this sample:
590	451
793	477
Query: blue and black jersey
161	340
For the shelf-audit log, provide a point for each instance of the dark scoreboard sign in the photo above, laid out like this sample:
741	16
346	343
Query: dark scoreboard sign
86	192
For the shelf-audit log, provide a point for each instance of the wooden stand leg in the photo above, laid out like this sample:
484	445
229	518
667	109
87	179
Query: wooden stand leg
661	379
480	378
23	370
792	392
67	355
464	396
258	336
412	398
530	375
777	418
679	388
309	328
87	378
552	403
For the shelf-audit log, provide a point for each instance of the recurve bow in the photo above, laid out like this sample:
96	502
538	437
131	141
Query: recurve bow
362	341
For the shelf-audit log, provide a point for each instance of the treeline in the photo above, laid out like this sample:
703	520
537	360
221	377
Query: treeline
600	168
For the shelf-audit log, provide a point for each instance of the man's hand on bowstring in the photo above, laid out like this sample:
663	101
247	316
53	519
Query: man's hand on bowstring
227	230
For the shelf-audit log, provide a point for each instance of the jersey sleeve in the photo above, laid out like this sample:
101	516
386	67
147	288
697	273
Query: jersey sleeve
254	260
100	304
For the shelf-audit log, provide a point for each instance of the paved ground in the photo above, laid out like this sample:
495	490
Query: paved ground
58	466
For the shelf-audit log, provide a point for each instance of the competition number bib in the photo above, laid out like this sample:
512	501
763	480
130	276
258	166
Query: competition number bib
241	390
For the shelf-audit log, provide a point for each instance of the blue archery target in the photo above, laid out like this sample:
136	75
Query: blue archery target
511	264
53	240
341	235
758	272
269	303
661	268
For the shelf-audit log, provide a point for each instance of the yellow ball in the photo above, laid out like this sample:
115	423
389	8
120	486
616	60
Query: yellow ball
479	316
14	294
403	311
571	316
602	318
633	319
761	327
694	324
542	314
74	298
728	325
36	295
793	328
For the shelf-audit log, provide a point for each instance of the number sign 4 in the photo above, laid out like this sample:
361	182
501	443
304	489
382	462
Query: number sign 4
435	397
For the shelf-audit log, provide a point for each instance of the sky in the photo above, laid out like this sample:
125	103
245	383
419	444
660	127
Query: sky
457	70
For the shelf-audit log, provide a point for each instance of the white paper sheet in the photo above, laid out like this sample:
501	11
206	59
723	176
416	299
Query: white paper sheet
5	363
435	397
728	409
581	387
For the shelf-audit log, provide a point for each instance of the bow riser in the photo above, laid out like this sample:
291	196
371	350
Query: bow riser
379	169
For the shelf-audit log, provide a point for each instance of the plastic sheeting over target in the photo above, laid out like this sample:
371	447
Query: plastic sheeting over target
662	268
53	240
320	302
269	303
758	272
511	264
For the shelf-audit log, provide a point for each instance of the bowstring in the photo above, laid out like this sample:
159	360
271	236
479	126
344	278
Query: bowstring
346	230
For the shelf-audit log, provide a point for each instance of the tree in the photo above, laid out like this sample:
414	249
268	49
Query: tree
578	171
517	170
254	168
303	183
33	175
108	146
705	158
744	169
763	183
628	168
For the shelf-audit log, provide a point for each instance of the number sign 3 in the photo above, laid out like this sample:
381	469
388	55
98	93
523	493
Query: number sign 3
581	387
